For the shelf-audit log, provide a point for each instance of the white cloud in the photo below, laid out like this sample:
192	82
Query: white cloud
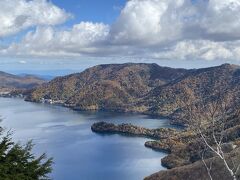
17	15
149	22
162	29
144	21
81	38
200	49
220	20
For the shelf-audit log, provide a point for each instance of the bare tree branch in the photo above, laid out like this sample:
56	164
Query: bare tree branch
208	116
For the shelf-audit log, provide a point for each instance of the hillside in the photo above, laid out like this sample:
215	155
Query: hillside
200	84
111	87
9	82
151	89
184	148
197	171
145	88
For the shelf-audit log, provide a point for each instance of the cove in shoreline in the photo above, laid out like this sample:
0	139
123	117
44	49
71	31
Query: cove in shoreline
66	135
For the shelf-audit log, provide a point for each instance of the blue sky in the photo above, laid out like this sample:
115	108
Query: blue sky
105	11
70	35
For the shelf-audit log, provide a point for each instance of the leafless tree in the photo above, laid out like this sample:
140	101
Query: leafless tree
207	117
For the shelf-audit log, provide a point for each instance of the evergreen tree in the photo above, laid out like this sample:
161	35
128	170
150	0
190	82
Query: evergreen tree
18	163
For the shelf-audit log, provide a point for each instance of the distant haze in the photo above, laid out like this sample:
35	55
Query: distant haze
59	67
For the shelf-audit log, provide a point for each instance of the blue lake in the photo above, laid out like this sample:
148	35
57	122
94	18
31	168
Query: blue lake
80	154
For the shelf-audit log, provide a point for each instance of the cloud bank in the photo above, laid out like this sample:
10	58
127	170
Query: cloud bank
161	29
17	15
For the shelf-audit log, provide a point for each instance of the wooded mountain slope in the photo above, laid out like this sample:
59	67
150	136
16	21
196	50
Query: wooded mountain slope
111	87
145	88
10	81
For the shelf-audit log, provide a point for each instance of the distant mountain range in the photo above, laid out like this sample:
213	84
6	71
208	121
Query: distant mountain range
42	77
144	88
9	82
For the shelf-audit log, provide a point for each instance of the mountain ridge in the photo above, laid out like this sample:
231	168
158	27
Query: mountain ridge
137	87
162	91
128	80
10	82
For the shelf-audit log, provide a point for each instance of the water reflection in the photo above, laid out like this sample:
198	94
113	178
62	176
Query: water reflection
79	153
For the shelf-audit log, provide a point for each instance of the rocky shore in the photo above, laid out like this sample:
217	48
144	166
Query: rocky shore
129	129
161	138
183	149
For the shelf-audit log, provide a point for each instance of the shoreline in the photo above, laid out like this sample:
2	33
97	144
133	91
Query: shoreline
173	121
161	134
152	138
181	147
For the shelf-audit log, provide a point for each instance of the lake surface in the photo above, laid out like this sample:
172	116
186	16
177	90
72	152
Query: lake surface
80	154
